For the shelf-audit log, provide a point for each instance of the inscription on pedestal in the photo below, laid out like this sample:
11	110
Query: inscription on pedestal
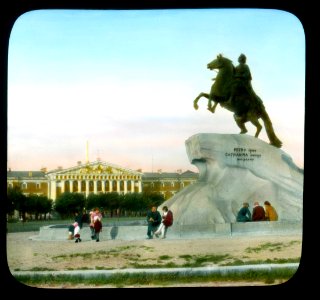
244	154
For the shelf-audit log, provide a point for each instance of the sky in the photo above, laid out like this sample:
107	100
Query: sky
123	82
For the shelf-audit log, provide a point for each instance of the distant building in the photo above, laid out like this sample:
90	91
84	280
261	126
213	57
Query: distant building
168	184
98	177
30	182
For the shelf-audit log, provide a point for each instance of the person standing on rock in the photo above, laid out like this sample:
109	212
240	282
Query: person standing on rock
244	214
153	219
271	214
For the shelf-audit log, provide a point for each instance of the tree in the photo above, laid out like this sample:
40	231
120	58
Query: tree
16	200
153	199
92	201
37	205
111	202
68	203
11	199
133	202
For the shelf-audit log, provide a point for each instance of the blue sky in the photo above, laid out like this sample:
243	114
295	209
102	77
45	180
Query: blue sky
125	81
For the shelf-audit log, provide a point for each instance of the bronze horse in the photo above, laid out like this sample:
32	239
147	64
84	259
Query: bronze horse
246	106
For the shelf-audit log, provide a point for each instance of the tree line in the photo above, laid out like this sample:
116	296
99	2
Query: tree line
39	207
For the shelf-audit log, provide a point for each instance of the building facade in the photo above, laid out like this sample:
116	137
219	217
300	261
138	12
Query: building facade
30	182
167	184
98	177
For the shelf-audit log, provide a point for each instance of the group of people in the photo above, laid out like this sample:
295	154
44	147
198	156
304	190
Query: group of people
95	219
268	213
157	224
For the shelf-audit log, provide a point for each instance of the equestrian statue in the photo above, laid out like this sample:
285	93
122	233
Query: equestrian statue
233	91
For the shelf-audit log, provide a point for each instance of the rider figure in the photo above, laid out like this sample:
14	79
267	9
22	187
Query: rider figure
243	73
243	78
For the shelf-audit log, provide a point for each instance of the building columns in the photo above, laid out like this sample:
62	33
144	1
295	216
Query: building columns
95	187
87	188
125	186
53	190
62	186
76	184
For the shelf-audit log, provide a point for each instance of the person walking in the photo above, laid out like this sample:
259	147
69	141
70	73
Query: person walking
95	212
97	225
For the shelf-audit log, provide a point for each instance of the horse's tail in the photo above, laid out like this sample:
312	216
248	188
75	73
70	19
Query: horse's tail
269	129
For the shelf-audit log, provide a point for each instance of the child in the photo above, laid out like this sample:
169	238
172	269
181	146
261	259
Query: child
97	225
77	232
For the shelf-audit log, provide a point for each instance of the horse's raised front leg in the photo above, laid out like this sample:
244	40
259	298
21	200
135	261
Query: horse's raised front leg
213	108
195	101
241	124
206	95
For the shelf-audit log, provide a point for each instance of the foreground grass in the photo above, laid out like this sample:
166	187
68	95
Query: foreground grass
122	280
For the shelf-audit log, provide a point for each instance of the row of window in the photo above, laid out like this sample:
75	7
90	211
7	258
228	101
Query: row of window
93	177
164	184
24	185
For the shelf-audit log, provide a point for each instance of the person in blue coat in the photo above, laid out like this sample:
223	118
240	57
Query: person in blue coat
244	214
154	220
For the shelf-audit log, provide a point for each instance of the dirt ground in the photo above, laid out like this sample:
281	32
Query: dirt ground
24	254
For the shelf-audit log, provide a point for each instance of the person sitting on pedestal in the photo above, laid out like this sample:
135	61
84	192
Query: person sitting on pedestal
258	213
244	214
271	213
167	221
153	219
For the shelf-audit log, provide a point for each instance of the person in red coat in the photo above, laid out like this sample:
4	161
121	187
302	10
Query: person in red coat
258	213
97	225
167	221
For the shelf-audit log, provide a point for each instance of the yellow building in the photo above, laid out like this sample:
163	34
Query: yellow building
30	182
168	184
98	177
